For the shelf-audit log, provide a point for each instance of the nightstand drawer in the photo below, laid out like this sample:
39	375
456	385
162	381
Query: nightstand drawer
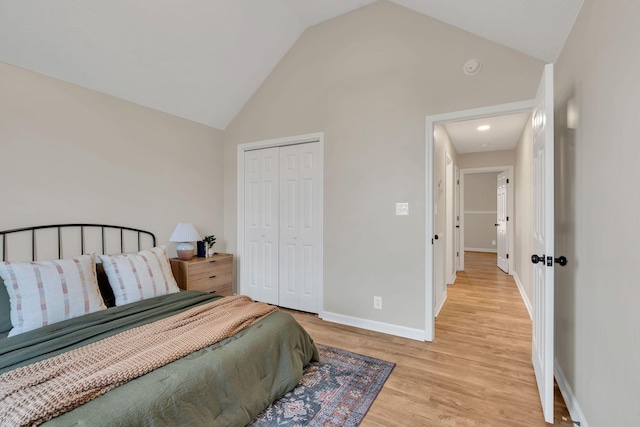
210	268
211	284
213	274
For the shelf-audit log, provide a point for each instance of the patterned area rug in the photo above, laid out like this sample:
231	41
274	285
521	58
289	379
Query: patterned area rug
337	391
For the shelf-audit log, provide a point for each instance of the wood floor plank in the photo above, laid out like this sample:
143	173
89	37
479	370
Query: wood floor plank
477	372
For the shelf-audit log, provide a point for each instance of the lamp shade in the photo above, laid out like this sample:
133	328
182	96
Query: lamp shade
185	232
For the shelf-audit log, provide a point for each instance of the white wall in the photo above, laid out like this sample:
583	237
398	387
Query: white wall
597	205
488	158
70	154
368	79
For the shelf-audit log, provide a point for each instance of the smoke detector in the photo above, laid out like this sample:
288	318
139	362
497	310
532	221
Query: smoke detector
472	67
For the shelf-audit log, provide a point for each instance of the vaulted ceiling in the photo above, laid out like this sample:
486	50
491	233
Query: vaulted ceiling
203	59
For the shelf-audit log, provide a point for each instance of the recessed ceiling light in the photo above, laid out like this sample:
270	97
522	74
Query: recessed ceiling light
484	127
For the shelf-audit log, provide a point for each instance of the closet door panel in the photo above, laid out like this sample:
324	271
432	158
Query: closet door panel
289	202
309	230
261	224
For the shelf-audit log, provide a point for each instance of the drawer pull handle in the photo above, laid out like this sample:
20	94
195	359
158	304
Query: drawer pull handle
212	261
212	277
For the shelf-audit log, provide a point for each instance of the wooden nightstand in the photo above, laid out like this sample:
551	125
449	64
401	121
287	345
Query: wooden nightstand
213	274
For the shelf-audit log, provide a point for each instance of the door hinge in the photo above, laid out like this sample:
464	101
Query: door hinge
507	180
507	218
457	253
432	241
507	256
458	182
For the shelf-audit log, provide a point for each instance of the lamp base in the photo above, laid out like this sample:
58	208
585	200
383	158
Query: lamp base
185	251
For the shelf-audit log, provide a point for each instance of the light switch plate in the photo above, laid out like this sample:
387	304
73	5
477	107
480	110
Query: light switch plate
402	208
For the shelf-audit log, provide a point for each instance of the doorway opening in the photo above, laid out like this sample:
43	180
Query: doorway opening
487	200
437	203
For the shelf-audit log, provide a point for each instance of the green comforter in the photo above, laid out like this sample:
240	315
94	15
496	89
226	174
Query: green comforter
226	384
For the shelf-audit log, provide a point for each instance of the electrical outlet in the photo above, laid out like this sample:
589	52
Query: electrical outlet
493	242
377	303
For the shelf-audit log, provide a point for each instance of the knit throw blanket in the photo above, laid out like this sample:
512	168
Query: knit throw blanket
33	394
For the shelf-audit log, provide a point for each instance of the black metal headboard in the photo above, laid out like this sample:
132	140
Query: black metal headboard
80	231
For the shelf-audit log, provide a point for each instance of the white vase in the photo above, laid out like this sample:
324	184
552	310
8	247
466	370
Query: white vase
210	252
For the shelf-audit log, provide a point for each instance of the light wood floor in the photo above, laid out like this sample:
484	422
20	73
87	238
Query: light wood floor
477	372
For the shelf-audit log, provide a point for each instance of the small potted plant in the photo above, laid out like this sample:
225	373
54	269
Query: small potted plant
209	241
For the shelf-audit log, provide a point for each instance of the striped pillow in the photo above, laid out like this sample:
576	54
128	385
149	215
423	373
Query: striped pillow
134	277
46	292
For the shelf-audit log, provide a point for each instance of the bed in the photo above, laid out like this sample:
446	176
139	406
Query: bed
226	383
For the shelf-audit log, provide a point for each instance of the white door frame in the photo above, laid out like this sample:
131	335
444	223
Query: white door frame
431	121
458	226
510	209
277	142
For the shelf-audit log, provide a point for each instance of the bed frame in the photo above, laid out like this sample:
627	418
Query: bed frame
83	229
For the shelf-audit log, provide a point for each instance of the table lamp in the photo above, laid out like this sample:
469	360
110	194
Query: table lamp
184	234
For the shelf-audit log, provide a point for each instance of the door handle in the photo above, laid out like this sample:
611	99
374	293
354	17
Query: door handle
536	259
436	237
457	226
562	260
497	225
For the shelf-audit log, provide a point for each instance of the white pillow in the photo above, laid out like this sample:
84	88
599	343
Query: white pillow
46	292
134	277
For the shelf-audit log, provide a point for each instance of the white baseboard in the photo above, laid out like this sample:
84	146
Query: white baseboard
569	398
493	251
441	303
374	325
523	294
453	279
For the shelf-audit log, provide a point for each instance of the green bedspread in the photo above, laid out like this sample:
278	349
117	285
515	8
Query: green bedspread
226	384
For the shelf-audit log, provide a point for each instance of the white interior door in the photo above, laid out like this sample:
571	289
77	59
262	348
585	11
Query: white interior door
300	231
261	225
543	234
501	223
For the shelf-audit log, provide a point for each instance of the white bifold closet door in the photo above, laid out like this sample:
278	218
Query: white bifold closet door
261	221
282	225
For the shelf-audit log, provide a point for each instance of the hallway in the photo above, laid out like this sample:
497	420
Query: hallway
487	321
477	372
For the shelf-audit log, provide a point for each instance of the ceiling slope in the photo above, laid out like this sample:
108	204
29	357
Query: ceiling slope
203	59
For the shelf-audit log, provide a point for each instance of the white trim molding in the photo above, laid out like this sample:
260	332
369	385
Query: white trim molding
493	251
569	397
481	212
523	294
441	303
374	325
